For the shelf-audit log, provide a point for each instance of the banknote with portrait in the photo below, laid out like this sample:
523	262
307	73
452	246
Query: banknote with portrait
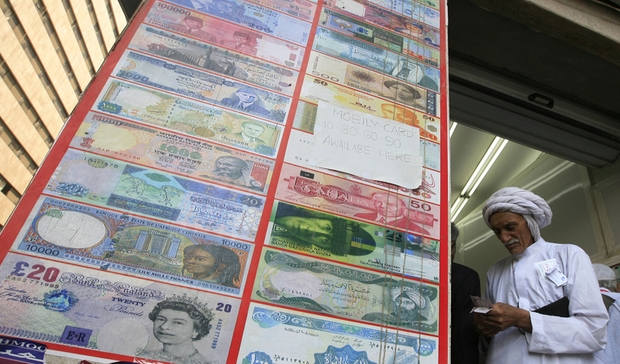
327	340
49	301
408	69
254	16
118	185
186	116
358	201
188	82
377	84
225	34
357	243
116	242
314	285
180	154
214	59
316	88
300	146
394	21
356	28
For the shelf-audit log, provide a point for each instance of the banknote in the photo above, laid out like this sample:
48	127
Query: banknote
303	9
362	244
112	313
405	68
393	21
374	83
115	242
202	86
214	59
300	146
254	16
398	5
172	152
188	117
356	28
327	340
348	198
225	34
412	9
106	182
313	285
316	88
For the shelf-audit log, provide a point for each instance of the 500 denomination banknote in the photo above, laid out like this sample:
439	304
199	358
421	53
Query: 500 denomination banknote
187	116
60	303
175	153
313	285
108	182
358	201
255	17
116	242
327	340
228	35
370	246
215	59
185	81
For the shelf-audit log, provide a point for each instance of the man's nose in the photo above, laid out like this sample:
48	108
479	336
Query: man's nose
504	237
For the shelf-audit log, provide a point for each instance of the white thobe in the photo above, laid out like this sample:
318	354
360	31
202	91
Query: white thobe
515	280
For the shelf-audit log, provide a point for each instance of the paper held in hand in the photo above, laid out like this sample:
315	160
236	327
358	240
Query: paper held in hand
481	305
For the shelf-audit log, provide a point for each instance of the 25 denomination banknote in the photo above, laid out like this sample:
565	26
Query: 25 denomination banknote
214	59
327	340
255	17
187	117
314	285
119	185
147	146
65	304
362	244
188	82
231	36
117	242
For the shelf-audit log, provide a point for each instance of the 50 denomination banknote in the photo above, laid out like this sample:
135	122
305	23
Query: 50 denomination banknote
314	285
187	116
231	36
327	340
214	59
362	244
60	303
117	242
175	153
185	81
255	17
358	201
111	183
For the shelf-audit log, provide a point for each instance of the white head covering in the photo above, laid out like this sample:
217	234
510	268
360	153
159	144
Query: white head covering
603	272
532	207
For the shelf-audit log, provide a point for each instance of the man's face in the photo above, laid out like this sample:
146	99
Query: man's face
405	303
246	97
400	114
511	229
252	130
311	230
193	23
230	167
388	205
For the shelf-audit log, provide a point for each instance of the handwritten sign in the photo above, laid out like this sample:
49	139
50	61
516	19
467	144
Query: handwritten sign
368	146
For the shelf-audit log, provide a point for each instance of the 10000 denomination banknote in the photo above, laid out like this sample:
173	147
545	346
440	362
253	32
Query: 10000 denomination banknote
186	116
352	242
327	340
116	242
290	280
228	35
108	182
256	17
214	59
175	153
185	81
60	303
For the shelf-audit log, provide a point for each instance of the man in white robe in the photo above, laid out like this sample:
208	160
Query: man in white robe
536	274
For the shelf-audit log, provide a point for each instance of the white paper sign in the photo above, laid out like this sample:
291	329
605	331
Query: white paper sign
368	146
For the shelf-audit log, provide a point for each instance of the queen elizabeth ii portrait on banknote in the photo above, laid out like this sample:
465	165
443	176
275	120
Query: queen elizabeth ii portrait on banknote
211	263
178	322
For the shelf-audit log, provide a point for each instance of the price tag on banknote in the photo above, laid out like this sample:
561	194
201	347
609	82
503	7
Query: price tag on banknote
481	305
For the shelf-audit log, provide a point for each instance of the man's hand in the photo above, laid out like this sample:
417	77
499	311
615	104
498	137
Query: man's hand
501	317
